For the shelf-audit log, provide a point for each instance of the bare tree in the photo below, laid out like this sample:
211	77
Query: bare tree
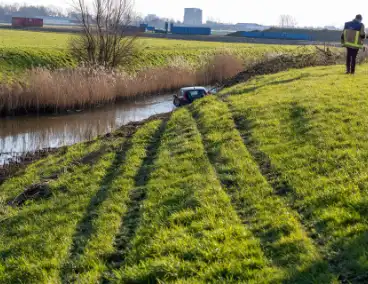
287	21
105	39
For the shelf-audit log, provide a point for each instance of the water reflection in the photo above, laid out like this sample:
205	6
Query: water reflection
27	134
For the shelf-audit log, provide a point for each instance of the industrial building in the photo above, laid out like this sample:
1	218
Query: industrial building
19	22
190	30
193	16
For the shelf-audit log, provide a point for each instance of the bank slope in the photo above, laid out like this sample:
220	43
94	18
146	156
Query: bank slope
307	130
265	183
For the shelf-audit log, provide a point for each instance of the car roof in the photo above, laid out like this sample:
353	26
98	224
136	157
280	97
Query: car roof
192	88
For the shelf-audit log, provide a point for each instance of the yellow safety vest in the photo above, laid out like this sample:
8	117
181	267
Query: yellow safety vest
352	39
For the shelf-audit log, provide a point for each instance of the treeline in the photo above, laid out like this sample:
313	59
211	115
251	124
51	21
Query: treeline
30	11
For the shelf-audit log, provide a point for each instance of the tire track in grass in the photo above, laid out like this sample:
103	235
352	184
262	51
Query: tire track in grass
283	237
329	212
189	232
85	228
268	170
90	258
35	239
137	194
296	201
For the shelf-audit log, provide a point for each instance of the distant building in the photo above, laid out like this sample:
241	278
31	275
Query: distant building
57	21
250	27
193	16
18	22
151	17
332	28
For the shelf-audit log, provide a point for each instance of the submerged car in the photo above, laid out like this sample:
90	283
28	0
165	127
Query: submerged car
188	95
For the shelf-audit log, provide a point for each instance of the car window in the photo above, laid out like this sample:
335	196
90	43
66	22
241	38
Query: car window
196	93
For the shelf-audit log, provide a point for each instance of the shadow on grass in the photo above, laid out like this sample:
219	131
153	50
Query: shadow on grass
272	175
248	88
182	199
269	84
131	220
285	255
349	262
299	120
306	276
88	159
351	259
85	229
177	205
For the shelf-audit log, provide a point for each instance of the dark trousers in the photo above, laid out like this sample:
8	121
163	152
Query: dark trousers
351	60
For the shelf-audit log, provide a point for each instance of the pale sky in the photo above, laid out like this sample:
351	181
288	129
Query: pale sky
267	12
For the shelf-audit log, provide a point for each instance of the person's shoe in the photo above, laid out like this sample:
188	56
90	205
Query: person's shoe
347	72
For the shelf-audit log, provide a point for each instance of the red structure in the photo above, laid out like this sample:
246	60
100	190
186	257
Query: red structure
26	22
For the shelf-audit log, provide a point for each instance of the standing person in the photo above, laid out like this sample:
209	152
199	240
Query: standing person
352	38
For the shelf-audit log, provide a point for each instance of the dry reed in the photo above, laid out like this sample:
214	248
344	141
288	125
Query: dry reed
60	90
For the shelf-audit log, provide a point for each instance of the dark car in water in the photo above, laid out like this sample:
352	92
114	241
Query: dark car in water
188	95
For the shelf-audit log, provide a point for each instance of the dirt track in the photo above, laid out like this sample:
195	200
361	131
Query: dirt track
283	63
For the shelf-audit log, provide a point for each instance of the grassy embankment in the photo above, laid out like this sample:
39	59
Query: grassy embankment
267	185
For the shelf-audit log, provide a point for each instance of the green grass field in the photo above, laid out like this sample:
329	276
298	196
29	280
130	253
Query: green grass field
264	183
20	50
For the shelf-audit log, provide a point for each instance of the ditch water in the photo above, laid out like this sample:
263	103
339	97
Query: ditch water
27	134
